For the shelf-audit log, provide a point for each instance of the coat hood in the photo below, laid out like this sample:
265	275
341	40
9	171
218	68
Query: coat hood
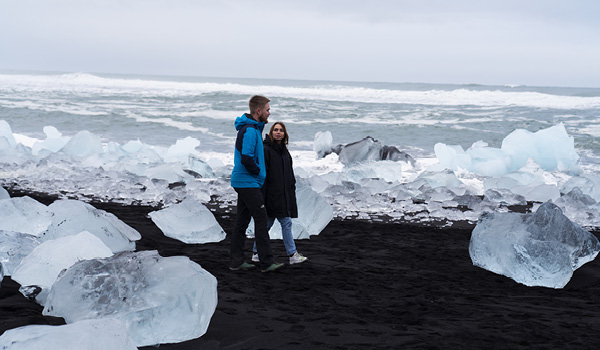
245	119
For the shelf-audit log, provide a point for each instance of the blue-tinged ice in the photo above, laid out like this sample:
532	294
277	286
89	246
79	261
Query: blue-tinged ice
83	144
314	214
25	215
587	183
160	300
42	266
322	144
102	334
7	140
53	143
551	148
180	151
14	246
4	193
535	249
71	217
189	221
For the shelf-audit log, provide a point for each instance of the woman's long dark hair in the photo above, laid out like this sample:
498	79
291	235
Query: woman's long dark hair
285	134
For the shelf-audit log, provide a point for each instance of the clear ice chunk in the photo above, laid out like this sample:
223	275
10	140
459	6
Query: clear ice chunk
189	221
83	144
535	249
314	214
14	246
160	300
47	260
101	334
71	217
25	215
4	193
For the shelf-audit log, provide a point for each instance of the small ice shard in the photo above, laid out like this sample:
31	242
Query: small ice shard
46	261
14	246
25	215
160	300
535	249
71	217
99	334
189	221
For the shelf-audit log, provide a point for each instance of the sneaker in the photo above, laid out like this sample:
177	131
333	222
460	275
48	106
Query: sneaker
297	258
273	267
243	266
255	258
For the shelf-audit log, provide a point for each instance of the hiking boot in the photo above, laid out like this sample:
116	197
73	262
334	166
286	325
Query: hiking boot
255	258
297	258
273	267
243	266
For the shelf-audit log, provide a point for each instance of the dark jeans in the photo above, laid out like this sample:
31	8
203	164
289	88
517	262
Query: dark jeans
250	205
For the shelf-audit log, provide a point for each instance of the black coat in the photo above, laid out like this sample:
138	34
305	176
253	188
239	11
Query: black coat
279	189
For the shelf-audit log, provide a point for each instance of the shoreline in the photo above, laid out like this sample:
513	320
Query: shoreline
367	285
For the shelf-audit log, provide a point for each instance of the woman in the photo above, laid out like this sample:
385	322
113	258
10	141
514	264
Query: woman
279	189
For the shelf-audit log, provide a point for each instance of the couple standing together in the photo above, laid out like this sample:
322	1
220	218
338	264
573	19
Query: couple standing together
264	180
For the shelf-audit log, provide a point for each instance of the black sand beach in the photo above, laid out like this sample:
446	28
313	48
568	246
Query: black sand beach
366	286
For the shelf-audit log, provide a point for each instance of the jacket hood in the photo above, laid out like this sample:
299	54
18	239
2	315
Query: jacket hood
245	120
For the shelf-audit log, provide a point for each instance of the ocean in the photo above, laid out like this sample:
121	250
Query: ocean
159	110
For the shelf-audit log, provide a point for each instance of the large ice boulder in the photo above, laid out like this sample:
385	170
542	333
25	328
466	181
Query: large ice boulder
189	221
160	300
314	214
42	266
25	215
70	217
14	246
535	249
102	334
552	149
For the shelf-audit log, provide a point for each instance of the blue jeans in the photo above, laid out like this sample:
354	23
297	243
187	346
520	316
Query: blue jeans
286	233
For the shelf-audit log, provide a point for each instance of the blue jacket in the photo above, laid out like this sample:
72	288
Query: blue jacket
249	157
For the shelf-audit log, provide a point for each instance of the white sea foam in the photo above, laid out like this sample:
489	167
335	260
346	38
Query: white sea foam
87	83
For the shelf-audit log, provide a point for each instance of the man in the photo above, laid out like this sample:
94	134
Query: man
247	178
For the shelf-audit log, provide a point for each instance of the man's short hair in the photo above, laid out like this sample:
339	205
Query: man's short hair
257	101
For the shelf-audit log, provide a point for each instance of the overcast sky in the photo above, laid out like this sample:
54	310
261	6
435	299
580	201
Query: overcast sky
529	42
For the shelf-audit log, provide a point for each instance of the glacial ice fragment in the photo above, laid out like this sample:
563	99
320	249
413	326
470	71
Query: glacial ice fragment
102	334
160	300
83	144
551	148
25	215
14	246
535	249
189	221
46	261
314	213
322	143
71	217
4	193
